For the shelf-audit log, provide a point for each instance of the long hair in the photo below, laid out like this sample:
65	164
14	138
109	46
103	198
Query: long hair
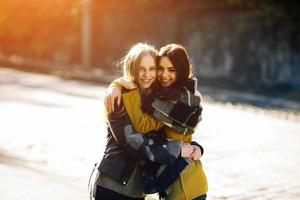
179	57
131	62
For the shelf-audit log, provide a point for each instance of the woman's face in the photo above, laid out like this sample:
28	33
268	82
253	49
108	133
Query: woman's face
146	72
166	72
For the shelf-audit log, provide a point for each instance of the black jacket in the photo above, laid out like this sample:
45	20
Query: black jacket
116	162
125	148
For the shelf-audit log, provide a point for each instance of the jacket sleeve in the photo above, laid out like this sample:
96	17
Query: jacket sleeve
152	146
142	122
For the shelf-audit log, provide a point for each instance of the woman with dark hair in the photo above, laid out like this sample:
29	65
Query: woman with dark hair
176	105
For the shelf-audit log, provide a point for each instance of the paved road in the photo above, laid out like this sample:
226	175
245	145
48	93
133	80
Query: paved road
19	182
52	132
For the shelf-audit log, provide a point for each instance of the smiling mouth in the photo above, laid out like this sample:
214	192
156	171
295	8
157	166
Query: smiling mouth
146	81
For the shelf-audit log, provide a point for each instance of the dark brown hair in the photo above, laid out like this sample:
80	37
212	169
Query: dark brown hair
179	58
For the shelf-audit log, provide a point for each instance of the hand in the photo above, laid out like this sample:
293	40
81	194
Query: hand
128	84
196	154
187	150
112	94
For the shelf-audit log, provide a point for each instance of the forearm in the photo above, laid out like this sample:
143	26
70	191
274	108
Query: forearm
123	83
152	147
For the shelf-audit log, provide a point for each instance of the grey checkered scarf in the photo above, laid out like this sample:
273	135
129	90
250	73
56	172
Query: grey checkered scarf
182	114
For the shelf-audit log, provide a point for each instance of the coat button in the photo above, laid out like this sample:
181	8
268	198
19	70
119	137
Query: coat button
150	142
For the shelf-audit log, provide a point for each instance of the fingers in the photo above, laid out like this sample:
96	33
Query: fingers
112	106
192	156
106	104
116	96
128	84
196	155
113	95
131	85
119	100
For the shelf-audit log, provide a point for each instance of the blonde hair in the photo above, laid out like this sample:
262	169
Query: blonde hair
131	62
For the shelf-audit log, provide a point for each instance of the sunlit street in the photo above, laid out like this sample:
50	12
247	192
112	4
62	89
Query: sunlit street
58	59
52	132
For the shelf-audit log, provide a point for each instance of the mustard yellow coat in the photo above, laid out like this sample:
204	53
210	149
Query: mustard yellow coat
192	181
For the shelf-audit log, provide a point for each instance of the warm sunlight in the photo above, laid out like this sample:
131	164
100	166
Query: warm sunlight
149	99
40	29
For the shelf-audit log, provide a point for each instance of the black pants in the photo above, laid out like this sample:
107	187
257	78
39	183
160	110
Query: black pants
202	197
106	194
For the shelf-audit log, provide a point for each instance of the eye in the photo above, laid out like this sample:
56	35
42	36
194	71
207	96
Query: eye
141	69
153	68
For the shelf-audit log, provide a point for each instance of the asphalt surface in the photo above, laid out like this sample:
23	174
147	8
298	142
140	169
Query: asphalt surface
52	132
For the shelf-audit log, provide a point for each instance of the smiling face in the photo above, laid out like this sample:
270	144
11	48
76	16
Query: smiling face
146	72
166	72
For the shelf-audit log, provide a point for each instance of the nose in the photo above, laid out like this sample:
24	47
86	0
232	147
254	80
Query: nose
147	73
163	73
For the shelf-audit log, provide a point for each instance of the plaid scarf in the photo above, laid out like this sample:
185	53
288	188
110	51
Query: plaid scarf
179	108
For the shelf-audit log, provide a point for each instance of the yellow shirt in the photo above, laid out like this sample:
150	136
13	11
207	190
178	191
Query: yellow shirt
192	182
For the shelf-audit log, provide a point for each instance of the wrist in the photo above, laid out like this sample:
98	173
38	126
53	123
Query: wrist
115	85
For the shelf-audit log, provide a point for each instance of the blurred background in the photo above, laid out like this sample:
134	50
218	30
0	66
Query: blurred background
56	59
252	45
